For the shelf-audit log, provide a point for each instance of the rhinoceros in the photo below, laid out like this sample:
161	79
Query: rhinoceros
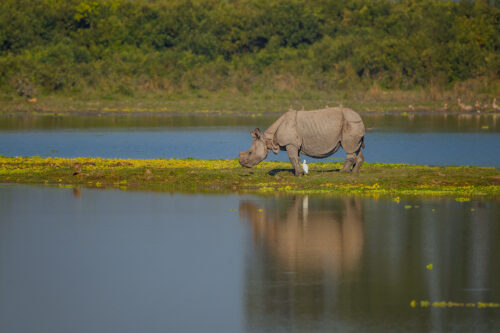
317	133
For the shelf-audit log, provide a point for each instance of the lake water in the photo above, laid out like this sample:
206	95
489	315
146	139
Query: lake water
86	260
415	139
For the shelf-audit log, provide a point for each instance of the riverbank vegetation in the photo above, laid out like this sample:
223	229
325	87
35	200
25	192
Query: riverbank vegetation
99	54
216	176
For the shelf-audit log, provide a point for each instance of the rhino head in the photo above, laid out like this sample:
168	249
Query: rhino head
257	152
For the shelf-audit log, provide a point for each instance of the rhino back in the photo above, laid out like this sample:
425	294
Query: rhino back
320	131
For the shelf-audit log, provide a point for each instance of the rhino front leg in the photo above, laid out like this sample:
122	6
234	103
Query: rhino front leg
293	154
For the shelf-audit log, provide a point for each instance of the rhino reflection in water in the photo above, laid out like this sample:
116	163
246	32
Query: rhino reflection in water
318	133
307	240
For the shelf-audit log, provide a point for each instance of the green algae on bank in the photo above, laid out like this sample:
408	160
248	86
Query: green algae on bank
191	175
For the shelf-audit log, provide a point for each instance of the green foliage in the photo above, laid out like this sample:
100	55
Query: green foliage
125	45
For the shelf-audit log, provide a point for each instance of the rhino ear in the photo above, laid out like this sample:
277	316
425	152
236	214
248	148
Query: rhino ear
255	133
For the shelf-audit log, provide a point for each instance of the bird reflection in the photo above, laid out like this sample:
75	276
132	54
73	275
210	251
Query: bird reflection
77	193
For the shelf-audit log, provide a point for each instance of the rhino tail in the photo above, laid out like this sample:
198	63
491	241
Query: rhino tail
363	142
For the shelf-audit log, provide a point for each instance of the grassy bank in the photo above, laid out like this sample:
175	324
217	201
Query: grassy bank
219	176
233	103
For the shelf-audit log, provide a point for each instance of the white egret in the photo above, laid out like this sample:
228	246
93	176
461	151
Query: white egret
305	167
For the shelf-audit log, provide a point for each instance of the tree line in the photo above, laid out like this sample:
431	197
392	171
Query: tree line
125	46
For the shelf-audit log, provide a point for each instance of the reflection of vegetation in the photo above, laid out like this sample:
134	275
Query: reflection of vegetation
305	48
227	175
148	122
378	122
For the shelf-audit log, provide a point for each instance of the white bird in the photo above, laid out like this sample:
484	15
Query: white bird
305	208
305	167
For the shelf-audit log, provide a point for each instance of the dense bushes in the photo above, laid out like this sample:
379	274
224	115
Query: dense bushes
123	46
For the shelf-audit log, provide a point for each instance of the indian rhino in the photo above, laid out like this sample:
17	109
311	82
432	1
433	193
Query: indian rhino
317	134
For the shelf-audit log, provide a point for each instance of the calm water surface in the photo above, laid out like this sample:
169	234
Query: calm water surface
418	139
82	260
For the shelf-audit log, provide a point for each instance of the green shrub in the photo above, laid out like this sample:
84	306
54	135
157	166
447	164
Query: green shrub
125	45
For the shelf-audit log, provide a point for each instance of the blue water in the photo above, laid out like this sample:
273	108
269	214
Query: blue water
84	260
432	148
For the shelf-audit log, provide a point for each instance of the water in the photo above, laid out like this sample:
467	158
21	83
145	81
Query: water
83	260
419	139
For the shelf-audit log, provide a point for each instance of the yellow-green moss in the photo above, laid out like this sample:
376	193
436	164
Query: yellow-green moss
191	175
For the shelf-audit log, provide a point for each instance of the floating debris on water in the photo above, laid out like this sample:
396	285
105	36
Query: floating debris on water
451	304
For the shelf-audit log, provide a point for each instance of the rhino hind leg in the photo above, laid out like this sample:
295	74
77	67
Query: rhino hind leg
359	161
350	160
353	161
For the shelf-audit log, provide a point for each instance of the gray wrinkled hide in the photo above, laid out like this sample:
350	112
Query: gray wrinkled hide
317	133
